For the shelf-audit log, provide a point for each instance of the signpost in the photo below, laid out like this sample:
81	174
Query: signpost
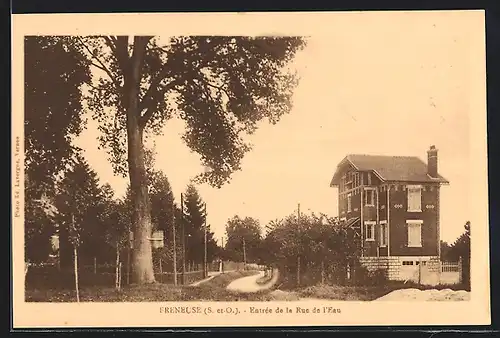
174	244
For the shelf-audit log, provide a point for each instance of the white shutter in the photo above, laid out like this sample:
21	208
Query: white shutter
383	234
414	235
414	199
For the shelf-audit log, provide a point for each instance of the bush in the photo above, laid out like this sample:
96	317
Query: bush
363	277
378	277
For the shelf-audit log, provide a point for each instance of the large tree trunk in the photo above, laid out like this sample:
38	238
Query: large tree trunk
142	258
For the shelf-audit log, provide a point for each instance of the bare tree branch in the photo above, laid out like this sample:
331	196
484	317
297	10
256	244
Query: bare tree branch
111	42
100	64
210	84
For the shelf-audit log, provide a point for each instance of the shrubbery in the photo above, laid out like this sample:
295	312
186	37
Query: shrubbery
318	248
364	277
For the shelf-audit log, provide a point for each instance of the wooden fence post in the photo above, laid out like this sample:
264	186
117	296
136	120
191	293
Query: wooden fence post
419	271
322	272
460	270
75	254
120	276
161	272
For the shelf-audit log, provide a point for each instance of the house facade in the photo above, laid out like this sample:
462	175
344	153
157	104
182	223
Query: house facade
393	202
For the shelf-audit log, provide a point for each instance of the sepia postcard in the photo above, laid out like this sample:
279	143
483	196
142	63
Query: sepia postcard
249	169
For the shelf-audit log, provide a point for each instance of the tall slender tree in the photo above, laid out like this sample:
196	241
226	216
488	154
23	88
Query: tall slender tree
195	217
79	201
162	199
220	86
163	216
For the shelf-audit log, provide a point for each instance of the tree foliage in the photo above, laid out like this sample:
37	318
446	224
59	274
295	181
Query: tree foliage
39	223
461	249
162	202
317	240
164	216
243	231
81	205
195	214
445	248
116	219
461	246
55	71
220	86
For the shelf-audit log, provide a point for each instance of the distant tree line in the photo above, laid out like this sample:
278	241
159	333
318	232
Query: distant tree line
306	249
310	249
84	213
460	249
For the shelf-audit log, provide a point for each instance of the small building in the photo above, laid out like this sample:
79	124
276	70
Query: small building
393	202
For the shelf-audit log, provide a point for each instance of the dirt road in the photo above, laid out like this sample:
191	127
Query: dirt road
211	274
249	284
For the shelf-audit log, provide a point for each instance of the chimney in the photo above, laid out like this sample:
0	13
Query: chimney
432	162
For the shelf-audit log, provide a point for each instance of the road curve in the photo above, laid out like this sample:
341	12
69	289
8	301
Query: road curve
249	283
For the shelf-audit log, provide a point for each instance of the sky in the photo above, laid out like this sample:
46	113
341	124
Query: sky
392	89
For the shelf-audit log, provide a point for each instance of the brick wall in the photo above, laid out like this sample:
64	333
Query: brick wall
399	229
355	204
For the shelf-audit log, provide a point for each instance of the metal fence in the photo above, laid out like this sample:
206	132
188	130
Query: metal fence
450	267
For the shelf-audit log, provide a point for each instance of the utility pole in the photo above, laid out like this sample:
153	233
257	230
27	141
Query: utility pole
129	249
244	255
222	256
205	266
183	242
298	237
173	242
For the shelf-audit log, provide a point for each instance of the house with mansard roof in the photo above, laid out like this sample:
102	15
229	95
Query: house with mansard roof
394	203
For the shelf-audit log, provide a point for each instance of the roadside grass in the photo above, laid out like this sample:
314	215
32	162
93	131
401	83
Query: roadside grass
223	280
215	290
352	293
212	290
364	293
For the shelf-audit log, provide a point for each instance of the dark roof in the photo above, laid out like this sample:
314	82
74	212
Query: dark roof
389	168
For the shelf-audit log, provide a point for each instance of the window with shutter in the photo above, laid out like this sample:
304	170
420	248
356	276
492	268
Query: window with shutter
414	233
414	199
